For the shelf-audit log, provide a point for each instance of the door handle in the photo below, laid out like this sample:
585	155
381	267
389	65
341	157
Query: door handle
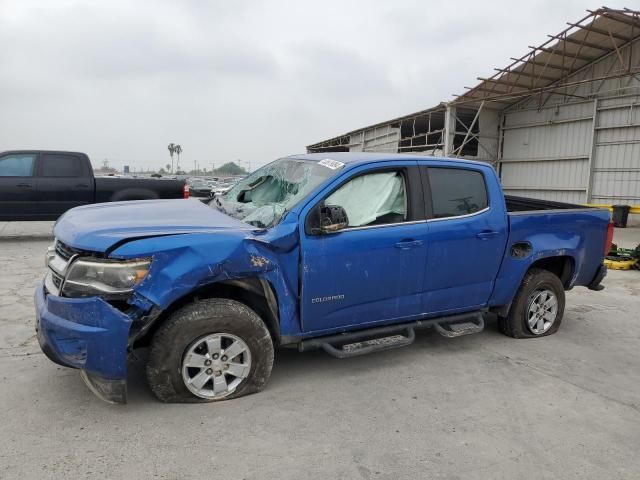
82	185
25	185
487	234
407	244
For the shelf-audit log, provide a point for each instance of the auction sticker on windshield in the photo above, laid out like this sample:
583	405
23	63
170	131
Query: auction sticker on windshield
332	164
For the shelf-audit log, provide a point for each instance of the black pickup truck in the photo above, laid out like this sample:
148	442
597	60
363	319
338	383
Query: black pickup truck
42	185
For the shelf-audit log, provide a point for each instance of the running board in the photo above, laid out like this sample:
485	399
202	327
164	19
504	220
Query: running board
370	346
457	329
354	344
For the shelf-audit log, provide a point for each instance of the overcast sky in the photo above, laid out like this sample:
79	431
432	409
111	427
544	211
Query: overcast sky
249	80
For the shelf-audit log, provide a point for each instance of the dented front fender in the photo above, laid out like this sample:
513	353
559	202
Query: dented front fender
185	263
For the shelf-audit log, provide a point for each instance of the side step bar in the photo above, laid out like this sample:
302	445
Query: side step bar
353	344
457	329
369	346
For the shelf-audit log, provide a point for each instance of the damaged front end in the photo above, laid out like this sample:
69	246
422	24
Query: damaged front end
96	332
117	268
86	311
88	334
110	390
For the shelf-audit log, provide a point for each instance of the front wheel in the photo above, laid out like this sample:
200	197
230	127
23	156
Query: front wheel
210	350
537	308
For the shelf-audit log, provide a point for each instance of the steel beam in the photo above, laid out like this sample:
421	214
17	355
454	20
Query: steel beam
592	152
568	55
579	42
466	137
501	82
538	64
600	32
545	159
548	88
525	74
544	189
621	17
548	123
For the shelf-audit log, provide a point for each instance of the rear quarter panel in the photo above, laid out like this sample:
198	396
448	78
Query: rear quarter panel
578	234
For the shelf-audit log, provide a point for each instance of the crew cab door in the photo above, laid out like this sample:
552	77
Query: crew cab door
372	270
467	237
64	182
17	186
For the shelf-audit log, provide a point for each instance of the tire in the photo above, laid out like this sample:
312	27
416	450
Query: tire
537	281
185	337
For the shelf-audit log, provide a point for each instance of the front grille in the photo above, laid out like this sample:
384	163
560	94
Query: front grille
57	279
64	251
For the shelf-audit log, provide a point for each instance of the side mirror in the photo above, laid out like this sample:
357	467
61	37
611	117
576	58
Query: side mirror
333	218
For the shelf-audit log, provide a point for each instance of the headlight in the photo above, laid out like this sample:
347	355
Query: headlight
87	277
50	255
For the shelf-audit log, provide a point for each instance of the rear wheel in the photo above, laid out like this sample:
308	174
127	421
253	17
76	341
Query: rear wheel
210	350
537	308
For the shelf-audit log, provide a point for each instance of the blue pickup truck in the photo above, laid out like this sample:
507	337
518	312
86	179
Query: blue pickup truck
348	252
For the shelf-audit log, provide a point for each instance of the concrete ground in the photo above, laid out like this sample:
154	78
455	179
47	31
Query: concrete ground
476	407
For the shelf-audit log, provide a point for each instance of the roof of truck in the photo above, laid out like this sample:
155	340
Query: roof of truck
31	150
365	157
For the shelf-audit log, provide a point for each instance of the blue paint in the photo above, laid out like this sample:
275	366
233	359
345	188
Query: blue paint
461	268
85	333
97	227
450	270
577	235
379	281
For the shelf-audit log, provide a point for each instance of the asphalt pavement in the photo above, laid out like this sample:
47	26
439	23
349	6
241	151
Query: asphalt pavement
476	407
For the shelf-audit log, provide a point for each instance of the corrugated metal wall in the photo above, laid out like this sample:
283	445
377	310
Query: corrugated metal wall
577	150
616	151
383	138
545	153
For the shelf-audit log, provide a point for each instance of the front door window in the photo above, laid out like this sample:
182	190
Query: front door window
17	165
373	199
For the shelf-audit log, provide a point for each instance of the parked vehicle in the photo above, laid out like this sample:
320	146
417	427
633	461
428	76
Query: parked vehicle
42	185
200	188
223	186
349	254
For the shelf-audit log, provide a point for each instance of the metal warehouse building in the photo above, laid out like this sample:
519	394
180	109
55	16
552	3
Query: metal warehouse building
562	122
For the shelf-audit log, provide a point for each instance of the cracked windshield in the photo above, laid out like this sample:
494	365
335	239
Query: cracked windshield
262	198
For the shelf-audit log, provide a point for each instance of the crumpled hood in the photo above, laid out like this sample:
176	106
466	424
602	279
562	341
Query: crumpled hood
100	226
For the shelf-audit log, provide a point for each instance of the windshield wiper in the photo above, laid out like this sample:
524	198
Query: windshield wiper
218	205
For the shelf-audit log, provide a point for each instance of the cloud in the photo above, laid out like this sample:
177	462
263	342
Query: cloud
252	80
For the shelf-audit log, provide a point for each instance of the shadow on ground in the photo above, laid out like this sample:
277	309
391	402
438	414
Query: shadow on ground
292	366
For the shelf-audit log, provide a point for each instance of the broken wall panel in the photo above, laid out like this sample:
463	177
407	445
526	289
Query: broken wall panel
562	122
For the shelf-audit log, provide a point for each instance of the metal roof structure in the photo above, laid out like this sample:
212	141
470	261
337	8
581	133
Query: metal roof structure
561	122
344	139
548	67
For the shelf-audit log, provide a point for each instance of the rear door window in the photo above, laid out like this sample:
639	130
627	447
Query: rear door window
457	191
17	165
59	165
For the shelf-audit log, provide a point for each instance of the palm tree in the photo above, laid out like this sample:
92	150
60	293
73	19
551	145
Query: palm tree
172	149
178	150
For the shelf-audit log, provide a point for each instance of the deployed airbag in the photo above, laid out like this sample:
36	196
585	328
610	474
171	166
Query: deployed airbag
362	206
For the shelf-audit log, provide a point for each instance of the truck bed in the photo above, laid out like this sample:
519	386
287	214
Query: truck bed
113	189
524	204
552	229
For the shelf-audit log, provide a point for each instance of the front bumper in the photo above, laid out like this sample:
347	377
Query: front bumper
88	334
